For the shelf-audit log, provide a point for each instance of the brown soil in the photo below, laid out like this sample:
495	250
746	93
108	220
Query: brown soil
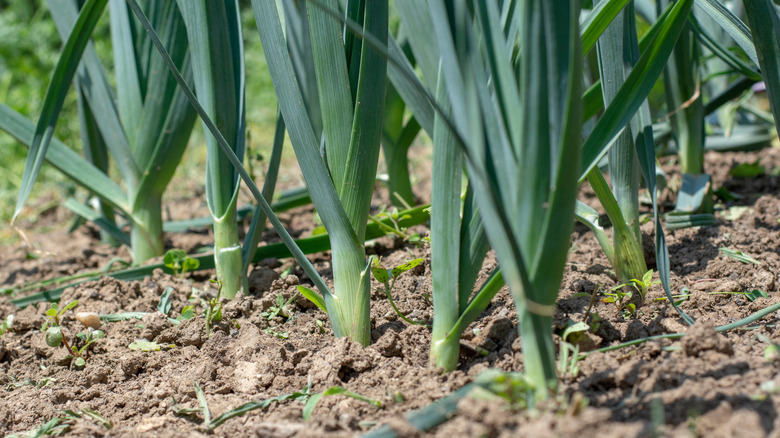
705	384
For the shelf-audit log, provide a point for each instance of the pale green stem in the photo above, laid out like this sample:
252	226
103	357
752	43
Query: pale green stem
684	100
447	349
349	305
401	194
538	353
146	235
629	259
445	239
227	254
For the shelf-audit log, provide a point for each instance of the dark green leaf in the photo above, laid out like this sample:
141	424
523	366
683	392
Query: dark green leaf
755	294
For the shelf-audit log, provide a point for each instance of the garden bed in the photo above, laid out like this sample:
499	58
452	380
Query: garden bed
705	384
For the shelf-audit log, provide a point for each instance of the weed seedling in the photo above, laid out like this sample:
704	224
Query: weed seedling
622	297
772	350
37	384
282	308
179	262
644	284
62	425
595	322
204	411
568	361
165	305
55	337
385	276
394	217
213	311
512	387
738	255
5	326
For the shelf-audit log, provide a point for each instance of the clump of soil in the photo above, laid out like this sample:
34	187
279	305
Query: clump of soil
704	384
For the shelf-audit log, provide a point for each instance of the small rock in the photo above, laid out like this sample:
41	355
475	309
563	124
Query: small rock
88	319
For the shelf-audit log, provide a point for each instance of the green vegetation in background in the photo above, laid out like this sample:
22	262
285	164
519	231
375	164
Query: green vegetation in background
28	54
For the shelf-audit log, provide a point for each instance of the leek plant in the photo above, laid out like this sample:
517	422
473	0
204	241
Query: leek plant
216	48
617	54
458	240
517	115
701	66
145	124
655	47
682	83
513	79
618	47
684	99
96	152
340	174
458	247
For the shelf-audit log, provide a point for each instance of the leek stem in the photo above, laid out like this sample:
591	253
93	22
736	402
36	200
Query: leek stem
538	353
349	305
146	234
681	81
629	259
227	253
445	237
398	181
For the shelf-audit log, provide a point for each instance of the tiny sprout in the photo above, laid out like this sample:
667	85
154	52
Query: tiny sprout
388	276
56	338
179	262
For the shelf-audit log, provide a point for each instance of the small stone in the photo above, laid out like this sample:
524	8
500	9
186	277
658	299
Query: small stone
88	319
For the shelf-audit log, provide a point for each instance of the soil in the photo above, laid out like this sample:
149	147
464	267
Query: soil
705	384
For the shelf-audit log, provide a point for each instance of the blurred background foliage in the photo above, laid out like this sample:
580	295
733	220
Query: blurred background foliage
28	55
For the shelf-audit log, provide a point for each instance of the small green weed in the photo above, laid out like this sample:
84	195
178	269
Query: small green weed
61	425
388	277
210	424
568	357
213	310
56	338
282	308
622	297
179	262
748	170
6	325
738	255
395	217
37	384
